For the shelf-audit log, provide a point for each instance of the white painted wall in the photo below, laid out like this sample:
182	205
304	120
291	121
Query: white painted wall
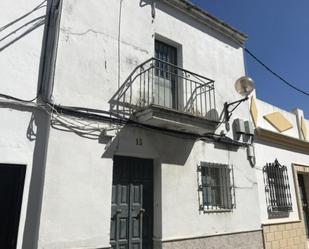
76	203
20	50
87	64
267	153
16	148
176	163
265	108
180	215
78	176
77	193
20	60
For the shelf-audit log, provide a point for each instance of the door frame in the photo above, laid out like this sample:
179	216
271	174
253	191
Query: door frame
179	59
299	169
300	176
151	190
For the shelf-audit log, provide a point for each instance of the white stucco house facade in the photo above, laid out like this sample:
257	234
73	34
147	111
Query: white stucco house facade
124	141
281	146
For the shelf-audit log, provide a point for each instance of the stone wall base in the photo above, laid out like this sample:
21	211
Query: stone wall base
245	240
285	236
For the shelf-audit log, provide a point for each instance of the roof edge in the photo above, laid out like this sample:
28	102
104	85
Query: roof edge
209	20
283	140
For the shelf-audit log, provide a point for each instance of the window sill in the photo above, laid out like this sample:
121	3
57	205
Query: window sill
280	221
278	215
205	210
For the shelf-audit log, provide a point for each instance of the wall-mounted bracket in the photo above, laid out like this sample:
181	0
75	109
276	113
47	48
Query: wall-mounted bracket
228	113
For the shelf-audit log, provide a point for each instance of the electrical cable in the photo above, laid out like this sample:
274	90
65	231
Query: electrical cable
17	99
275	74
289	84
21	27
125	121
84	127
73	111
64	124
91	110
41	5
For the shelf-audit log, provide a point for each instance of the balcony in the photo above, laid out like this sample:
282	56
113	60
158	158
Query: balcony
164	95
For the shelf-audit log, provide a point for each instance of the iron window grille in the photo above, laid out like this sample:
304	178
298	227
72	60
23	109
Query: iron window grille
277	190
216	186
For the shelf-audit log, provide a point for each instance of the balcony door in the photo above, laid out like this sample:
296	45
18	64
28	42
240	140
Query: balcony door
165	92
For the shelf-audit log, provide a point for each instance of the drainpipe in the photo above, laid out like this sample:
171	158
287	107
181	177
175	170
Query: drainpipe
153	9
49	51
42	120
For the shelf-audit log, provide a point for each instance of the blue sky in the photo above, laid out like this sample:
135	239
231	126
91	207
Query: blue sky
278	33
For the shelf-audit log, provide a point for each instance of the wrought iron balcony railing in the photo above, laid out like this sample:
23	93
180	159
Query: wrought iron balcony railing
159	83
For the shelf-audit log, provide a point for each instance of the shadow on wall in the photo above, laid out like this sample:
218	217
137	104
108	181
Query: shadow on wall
38	131
41	121
144	143
131	140
213	115
20	27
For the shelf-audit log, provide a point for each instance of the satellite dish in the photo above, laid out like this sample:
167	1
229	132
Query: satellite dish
244	86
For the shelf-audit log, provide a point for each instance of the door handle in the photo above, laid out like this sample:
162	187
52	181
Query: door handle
141	214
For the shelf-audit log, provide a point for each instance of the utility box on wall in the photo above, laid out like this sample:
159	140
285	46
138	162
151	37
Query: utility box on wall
239	126
249	130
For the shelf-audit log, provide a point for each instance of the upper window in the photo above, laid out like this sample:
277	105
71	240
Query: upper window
216	187
277	189
165	88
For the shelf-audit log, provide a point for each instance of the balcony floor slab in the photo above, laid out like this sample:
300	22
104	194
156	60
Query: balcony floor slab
175	120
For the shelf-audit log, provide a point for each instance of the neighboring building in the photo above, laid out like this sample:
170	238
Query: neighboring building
127	144
282	165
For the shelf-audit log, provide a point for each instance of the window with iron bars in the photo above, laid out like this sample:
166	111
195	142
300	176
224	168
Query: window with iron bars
277	190
216	187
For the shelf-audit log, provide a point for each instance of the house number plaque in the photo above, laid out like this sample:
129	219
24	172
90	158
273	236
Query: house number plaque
139	141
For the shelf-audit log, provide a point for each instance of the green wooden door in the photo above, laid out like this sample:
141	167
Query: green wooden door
132	203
